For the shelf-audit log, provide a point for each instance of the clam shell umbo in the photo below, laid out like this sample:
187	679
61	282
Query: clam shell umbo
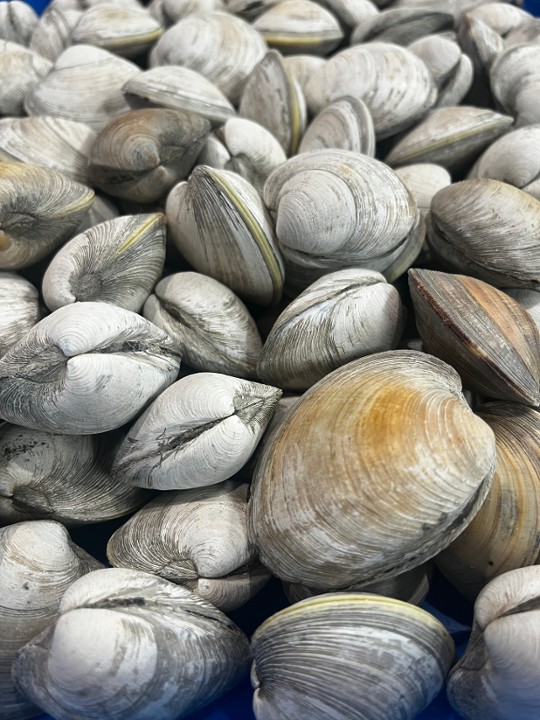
19	309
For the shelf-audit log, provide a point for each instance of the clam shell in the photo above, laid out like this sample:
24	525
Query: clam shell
39	209
302	67
140	155
101	210
19	309
218	222
17	22
423	181
54	30
515	81
50	142
401	25
201	431
526	33
21	71
118	262
390	660
529	299
452	70
38	562
132	644
87	368
488	337
343	316
272	98
299	26
209	325
501	17
175	10
179	88
394	83
394	434
345	124
351	12
84	85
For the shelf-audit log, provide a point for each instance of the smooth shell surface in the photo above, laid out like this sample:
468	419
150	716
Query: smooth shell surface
21	70
19	309
17	21
424	180
345	124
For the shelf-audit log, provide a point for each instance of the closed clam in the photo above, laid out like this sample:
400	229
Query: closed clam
196	538
505	533
38	562
487	229
424	180
387	660
208	324
486	335
497	677
17	21
219	223
404	467
200	431
19	309
501	17
132	644
21	70
515	81
118	262
401	25
86	368
345	124
451	68
141	154
54	30
273	98
302	66
175	10
39	209
342	316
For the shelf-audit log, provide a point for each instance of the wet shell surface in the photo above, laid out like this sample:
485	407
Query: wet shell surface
132	644
404	467
118	262
19	309
345	124
390	659
86	368
208	324
21	70
201	431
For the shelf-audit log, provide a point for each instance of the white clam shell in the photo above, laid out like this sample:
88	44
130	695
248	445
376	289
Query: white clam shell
17	21
54	30
424	180
351	12
515	81
402	25
21	71
175	10
501	17
302	67
19	309
452	70
101	210
345	124
200	431
87	368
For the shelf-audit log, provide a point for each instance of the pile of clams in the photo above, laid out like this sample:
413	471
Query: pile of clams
269	313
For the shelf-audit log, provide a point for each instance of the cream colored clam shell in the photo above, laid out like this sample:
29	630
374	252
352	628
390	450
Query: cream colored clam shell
19	309
302	66
501	17
21	71
424	180
345	124
87	368
209	325
515	81
452	70
200	431
38	562
402	25
54	30
17	21
131	644
175	10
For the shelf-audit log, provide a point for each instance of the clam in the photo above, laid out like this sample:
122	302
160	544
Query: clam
50	142
194	537
249	9
501	17
515	81
208	324
487	336
175	10
220	225
529	299
17	21
302	67
351	13
54	30
132	644
387	660
379	466
487	229
179	88
450	136
200	431
505	533
222	47
401	25
84	85
514	158
526	33
342	316
39	209
423	181
141	154
335	209
394	83
299	26
345	124
86	368
497	677
19	309
118	261
38	562
272	98
21	71
127	30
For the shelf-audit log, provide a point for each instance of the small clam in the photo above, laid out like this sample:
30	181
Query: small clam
515	81
19	309
376	469
345	124
451	68
200	431
17	21
140	155
401	25
423	181
175	10
87	368
21	71
302	67
488	337
134	645
498	677
39	209
501	17
386	659
342	316
208	324
118	262
191	537
54	30
38	562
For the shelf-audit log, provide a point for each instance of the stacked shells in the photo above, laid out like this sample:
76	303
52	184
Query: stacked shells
223	226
